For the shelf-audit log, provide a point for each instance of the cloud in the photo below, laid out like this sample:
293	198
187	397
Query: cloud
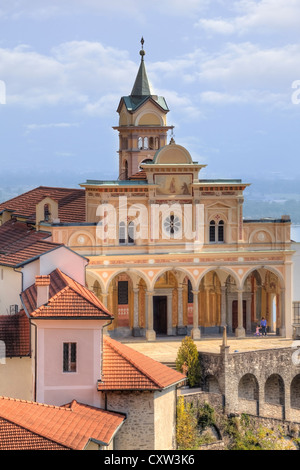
75	74
262	16
37	127
43	9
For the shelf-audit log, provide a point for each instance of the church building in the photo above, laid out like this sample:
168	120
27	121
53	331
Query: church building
169	252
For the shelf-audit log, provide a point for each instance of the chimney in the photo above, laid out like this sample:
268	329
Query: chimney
42	290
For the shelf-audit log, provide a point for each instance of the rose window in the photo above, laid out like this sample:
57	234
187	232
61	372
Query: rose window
172	224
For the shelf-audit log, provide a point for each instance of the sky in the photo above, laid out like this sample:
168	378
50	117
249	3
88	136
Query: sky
229	71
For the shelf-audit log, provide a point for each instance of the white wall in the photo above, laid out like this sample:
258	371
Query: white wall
62	258
10	288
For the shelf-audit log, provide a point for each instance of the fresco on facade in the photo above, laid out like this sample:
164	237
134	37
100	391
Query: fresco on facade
173	184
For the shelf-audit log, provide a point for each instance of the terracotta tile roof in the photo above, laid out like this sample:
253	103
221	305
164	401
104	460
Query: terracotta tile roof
70	426
15	333
71	203
67	298
14	437
42	281
140	175
20	243
126	369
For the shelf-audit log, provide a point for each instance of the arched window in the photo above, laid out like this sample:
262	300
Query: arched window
146	143
126	233
131	233
212	231
217	231
140	143
151	143
122	233
221	231
126	170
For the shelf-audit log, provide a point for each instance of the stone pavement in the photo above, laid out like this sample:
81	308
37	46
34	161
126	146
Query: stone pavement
164	349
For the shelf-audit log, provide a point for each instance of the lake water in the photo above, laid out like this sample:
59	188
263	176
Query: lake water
295	233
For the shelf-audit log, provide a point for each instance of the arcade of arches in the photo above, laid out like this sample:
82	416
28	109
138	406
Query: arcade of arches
175	305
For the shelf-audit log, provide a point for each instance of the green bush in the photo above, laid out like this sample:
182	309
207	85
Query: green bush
187	361
206	416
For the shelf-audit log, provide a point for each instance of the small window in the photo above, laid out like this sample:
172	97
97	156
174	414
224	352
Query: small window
69	357
123	293
212	231
46	212
122	233
216	232
131	233
221	231
126	170
151	143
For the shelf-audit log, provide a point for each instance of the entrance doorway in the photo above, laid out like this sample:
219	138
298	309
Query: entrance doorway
160	322
235	322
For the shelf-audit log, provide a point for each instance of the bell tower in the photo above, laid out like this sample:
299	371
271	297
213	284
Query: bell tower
142	124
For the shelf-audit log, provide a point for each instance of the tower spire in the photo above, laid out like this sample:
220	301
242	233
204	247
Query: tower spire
141	85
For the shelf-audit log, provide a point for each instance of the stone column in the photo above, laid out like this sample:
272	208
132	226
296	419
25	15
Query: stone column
104	296
223	306
207	301
195	333
169	314
150	333
282	313
181	329
240	331
135	310
287	330
248	313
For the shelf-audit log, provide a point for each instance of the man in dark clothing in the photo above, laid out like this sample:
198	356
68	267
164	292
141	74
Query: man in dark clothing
263	325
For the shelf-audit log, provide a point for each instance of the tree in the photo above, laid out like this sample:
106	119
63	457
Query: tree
187	433
187	361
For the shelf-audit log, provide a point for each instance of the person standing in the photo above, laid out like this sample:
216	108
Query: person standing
263	325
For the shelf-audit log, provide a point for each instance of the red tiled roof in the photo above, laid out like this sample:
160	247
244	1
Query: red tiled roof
127	369
67	298
71	203
70	426
20	243
14	437
15	333
140	175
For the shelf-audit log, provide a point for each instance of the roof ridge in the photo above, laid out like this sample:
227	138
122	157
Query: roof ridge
104	309
29	402
58	294
113	343
31	427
